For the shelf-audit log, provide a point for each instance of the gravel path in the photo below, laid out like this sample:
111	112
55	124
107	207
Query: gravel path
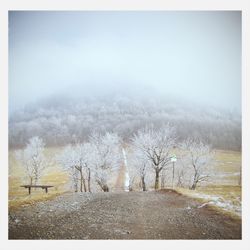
121	215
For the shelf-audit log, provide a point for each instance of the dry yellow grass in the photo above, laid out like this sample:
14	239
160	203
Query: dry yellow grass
227	167
53	175
224	183
225	198
222	190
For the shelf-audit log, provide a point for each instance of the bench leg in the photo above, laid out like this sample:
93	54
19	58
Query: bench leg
29	190
46	190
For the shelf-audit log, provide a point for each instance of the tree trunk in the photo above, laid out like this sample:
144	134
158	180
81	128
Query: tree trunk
105	188
83	183
195	181
157	179
193	187
89	180
81	180
143	183
173	177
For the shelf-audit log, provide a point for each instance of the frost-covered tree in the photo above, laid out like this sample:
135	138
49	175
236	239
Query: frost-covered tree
84	153
67	159
33	159
76	159
198	158
106	157
155	146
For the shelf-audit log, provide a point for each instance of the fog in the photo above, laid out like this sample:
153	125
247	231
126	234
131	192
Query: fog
193	56
75	73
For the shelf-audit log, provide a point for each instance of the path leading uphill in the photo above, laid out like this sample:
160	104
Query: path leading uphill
121	215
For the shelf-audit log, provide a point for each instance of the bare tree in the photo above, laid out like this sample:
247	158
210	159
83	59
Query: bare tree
199	157
84	165
33	158
106	157
156	146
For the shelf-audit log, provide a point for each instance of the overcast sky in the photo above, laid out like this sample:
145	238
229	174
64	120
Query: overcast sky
193	55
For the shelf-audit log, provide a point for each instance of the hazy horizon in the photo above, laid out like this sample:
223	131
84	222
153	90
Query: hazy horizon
188	55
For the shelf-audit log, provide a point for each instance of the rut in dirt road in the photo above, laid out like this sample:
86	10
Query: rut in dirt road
121	215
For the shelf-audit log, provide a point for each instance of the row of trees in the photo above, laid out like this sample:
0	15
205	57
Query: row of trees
152	153
99	157
148	159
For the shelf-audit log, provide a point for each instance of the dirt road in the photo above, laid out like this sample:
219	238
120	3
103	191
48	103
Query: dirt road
121	215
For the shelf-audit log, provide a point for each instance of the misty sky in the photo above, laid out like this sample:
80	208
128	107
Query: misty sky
193	55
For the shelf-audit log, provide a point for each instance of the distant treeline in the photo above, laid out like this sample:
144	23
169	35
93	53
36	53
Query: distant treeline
60	121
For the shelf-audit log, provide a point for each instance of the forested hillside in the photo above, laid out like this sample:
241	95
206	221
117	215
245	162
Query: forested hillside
60	120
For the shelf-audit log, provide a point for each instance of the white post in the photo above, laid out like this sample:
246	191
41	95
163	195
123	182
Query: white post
173	159
173	177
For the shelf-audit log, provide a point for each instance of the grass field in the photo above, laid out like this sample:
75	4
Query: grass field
222	190
52	176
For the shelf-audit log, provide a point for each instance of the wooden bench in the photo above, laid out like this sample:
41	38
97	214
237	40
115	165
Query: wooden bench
37	186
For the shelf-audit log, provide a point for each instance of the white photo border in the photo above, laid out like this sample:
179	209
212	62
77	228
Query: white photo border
102	5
